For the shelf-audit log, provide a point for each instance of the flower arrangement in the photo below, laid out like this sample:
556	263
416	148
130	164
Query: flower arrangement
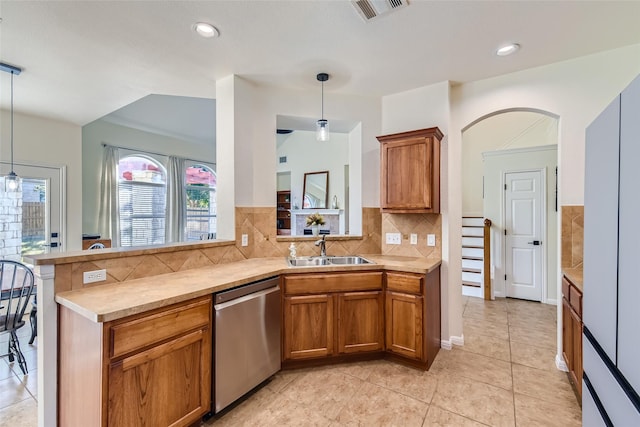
315	219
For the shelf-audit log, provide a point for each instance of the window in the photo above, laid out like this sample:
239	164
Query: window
201	202
142	196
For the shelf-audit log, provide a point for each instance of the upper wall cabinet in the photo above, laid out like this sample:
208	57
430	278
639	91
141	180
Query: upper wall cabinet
410	171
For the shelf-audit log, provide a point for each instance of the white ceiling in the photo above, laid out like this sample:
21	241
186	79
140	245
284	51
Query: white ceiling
84	59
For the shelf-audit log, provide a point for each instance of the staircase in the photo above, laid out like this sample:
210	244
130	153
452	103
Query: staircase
472	256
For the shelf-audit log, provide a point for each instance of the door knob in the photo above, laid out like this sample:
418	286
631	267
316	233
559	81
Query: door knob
535	243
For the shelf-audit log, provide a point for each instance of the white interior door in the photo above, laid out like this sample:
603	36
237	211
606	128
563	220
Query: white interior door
42	207
524	222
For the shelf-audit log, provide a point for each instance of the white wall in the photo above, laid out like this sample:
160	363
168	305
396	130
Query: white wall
514	129
98	132
305	154
496	163
47	142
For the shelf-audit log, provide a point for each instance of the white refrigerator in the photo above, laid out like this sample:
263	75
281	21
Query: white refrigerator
611	301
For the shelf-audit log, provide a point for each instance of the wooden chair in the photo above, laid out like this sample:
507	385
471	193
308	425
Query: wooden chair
17	284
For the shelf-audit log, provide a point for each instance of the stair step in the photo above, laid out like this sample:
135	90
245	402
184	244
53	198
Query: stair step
473	252
472	247
473	258
471	270
473	232
472	284
472	221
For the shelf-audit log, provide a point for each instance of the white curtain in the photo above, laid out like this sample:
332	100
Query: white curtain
175	220
109	218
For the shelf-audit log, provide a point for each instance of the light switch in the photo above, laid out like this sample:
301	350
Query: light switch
431	239
245	240
414	239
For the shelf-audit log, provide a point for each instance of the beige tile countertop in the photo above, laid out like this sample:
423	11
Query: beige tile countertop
117	300
575	276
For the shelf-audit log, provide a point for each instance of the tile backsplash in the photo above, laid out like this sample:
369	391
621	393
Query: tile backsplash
406	224
572	237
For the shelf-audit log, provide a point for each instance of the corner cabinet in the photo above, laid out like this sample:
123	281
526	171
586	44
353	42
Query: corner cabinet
332	314
150	369
410	171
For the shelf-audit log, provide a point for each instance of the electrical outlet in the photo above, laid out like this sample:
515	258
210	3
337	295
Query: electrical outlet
94	276
414	239
431	239
245	240
393	238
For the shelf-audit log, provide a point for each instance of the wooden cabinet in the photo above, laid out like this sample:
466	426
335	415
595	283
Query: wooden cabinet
412	317
150	369
331	314
308	326
410	171
283	212
572	331
360	321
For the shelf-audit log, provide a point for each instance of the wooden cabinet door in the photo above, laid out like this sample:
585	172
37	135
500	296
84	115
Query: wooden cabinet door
410	171
567	334
308	326
576	344
166	385
360	322
404	324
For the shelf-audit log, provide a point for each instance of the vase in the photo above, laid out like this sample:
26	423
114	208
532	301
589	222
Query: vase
315	229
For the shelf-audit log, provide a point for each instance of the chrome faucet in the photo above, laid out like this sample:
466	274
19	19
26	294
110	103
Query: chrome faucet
322	244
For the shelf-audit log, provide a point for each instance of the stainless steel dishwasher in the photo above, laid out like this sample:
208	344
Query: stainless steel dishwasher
247	339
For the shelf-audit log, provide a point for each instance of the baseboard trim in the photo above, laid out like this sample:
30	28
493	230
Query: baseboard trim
560	364
552	301
453	340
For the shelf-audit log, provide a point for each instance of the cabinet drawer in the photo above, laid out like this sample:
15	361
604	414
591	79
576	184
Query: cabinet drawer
565	287
325	283
575	300
156	327
405	282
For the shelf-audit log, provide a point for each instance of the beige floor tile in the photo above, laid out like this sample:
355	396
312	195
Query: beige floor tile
377	406
246	411
524	321
472	399
12	391
22	414
325	391
282	379
286	412
31	382
477	367
5	370
361	370
487	346
544	337
437	417
492	315
537	383
535	412
485	328
409	381
533	356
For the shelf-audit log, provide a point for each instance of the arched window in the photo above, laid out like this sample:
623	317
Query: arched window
201	202
143	197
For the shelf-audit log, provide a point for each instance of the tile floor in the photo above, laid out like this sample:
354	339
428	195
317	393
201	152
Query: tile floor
504	375
18	392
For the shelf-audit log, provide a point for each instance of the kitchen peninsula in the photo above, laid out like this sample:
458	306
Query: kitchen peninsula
149	323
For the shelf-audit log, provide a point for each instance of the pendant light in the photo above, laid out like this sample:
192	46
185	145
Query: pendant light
322	125
12	182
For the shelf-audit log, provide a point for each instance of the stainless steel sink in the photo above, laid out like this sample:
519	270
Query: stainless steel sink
348	260
308	262
331	260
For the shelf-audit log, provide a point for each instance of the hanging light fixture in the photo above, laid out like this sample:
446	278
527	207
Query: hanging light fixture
12	182
322	125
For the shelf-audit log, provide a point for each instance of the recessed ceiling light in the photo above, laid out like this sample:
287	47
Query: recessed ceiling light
508	49
206	30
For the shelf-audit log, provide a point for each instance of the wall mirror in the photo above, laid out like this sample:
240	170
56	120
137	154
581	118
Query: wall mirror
316	190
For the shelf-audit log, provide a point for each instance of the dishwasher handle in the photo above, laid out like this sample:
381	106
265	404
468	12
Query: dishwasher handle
222	306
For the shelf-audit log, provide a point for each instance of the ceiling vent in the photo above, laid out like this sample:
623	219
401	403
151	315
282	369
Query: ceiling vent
369	9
